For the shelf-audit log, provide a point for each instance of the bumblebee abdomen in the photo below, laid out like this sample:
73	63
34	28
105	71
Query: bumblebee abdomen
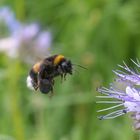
45	86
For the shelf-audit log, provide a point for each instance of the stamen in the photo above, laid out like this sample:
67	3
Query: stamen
109	92
112	117
119	72
109	108
136	63
127	68
105	97
113	114
109	102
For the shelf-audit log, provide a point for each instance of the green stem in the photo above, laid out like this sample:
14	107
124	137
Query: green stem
16	114
20	9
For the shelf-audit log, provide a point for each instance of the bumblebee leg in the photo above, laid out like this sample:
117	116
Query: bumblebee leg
52	82
35	85
51	93
65	76
62	77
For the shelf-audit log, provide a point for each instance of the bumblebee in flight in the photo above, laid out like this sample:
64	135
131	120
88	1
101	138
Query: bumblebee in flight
42	74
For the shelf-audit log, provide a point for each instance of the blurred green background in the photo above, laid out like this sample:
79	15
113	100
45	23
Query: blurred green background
97	34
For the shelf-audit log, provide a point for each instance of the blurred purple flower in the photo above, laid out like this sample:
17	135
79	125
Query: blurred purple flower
28	32
8	17
44	40
25	41
126	91
10	46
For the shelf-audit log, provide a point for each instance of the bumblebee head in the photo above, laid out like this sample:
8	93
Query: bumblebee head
66	66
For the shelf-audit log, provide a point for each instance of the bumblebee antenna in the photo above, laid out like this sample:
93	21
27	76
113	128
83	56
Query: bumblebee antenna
80	66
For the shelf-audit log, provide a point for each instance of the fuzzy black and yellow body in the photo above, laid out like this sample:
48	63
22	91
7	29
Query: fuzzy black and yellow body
42	74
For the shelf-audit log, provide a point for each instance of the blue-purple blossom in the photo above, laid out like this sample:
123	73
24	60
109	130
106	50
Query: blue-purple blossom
25	41
123	93
28	32
44	39
8	17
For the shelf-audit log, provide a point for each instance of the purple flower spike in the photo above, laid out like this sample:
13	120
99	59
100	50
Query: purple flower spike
44	40
29	32
124	93
130	76
25	41
8	17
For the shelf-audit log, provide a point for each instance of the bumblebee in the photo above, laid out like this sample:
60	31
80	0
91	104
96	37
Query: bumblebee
42	74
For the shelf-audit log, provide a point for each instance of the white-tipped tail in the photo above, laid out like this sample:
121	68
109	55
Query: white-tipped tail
29	83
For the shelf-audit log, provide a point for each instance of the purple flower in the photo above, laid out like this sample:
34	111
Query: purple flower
124	93
28	32
44	40
8	17
25	41
9	46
